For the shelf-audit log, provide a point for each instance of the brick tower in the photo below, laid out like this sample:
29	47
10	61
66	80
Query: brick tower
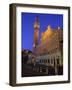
36	32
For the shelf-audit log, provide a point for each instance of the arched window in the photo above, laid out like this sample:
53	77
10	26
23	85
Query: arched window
58	60
40	60
44	60
54	61
51	61
48	61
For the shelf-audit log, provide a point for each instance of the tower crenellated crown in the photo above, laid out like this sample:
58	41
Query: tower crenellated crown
36	24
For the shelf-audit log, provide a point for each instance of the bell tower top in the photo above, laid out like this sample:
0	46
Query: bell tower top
36	24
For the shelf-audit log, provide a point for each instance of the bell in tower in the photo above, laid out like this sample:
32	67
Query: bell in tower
36	31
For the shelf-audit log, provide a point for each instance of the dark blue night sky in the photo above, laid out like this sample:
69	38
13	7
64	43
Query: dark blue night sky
28	19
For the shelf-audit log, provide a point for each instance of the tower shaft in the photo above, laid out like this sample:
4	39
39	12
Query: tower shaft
36	32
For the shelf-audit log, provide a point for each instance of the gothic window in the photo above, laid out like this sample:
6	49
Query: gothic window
58	60
54	61
44	60
48	61
51	61
40	61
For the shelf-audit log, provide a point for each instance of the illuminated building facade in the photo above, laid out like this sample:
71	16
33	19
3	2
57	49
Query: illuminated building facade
49	51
